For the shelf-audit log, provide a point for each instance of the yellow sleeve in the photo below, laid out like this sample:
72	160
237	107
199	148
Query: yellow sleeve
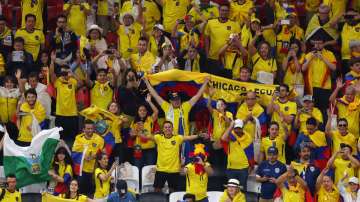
57	83
330	56
223	197
240	197
255	57
262	147
165	106
86	6
229	115
207	29
186	106
17	33
318	115
179	139
97	173
66	6
292	108
68	170
157	138
74	82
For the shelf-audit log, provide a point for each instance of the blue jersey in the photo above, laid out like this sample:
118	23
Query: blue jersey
269	170
114	197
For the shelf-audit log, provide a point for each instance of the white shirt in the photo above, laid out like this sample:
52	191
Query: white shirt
346	194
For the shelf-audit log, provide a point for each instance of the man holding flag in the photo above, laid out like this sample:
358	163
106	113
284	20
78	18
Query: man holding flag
84	150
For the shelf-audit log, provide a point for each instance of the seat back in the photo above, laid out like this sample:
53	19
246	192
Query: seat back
176	196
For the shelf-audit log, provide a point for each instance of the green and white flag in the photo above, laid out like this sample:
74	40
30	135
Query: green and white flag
31	164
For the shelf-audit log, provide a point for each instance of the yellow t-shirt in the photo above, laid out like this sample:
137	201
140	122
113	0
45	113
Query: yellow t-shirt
33	7
343	167
187	37
348	33
128	39
246	36
348	139
102	188
352	117
316	113
94	145
243	112
324	196
11	197
77	18
292	77
175	114
292	194
142	63
237	158
219	124
218	34
239	12
64	169
39	112
33	40
209	13
172	11
319	72
115	128
8	103
65	99
278	142
259	64
239	197
233	60
168	157
287	108
148	127
195	183
101	94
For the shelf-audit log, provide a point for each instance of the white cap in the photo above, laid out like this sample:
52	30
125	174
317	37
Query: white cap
354	180
238	123
233	183
94	27
159	26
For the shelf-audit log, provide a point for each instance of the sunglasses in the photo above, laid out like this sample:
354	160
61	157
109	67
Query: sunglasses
342	125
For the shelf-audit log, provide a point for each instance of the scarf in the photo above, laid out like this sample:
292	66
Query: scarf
314	26
318	139
170	117
352	106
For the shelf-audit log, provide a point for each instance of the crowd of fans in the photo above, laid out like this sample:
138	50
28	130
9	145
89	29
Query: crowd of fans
102	51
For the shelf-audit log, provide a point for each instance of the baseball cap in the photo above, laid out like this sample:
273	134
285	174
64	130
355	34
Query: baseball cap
159	26
272	150
307	98
354	180
238	123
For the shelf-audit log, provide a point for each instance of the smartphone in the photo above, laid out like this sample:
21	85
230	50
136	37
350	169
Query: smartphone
285	22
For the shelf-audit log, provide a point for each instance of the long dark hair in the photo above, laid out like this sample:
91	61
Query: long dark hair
68	193
298	43
67	160
137	118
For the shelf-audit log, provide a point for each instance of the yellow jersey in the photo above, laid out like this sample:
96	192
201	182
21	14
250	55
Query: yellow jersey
312	5
101	95
259	64
239	12
293	193
115	128
351	112
26	121
178	116
33	41
324	196
348	33
77	18
303	117
284	38
209	12
237	158
219	124
93	145
128	39
142	63
33	7
172	11
11	196
287	108
64	170
342	168
196	183
102	188
348	139
66	99
337	7
318	71
243	112
148	127
8	103
168	155
292	77
218	34
278	142
233	61
239	197
151	15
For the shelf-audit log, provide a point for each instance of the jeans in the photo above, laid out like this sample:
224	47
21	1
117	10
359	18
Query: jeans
239	174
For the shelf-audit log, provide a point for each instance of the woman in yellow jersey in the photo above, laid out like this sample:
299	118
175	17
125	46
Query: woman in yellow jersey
96	43
326	191
73	193
292	66
103	176
61	171
142	129
261	58
166	59
115	128
9	96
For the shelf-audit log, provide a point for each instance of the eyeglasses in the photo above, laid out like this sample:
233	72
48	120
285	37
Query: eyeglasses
342	125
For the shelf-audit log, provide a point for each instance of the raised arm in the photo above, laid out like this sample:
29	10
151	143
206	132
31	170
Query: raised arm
208	105
153	92
339	86
319	180
328	125
104	177
194	99
153	108
52	67
225	136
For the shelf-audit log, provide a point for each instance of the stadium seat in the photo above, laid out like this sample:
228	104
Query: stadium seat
153	197
214	196
34	188
175	196
252	185
131	177
147	179
31	197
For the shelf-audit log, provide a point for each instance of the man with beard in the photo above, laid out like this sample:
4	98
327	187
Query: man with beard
306	169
